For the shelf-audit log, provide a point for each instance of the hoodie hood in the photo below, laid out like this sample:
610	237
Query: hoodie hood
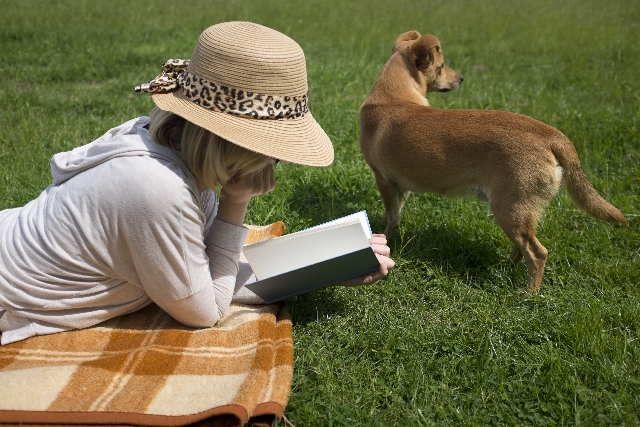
128	139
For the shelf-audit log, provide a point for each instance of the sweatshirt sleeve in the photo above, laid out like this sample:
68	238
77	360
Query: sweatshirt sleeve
189	275
209	208
205	307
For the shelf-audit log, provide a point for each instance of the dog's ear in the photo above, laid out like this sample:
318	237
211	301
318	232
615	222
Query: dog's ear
423	49
403	39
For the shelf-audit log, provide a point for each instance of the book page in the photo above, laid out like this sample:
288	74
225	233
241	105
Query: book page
360	216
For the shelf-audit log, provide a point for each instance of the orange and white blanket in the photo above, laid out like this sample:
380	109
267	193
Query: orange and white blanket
147	369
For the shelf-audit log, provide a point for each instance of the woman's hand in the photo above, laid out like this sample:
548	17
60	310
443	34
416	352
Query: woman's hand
236	194
243	189
378	243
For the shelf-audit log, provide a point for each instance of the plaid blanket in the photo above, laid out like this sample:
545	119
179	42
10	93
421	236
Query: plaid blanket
147	369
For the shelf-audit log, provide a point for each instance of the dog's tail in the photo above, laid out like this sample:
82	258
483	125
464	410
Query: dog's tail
579	187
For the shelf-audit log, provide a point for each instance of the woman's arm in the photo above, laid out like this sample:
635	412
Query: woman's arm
205	307
224	242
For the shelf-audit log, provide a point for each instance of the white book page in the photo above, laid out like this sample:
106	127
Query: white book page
360	216
274	257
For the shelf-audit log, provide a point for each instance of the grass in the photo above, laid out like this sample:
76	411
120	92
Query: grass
444	340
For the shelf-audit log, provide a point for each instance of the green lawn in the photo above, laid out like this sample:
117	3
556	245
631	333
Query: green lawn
445	339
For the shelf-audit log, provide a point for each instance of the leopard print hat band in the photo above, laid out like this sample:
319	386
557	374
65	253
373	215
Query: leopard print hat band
222	98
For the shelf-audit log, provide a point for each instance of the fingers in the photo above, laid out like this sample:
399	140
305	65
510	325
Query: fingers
378	239
386	264
263	181
367	279
378	243
370	278
387	261
381	250
383	270
269	178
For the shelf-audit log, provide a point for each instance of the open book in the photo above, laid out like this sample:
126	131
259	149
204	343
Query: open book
313	258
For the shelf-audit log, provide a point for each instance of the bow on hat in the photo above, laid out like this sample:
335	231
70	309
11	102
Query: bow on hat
168	80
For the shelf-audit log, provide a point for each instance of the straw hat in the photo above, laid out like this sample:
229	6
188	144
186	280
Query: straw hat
248	84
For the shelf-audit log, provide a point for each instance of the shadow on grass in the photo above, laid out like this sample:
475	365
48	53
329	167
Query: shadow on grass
317	305
450	249
451	253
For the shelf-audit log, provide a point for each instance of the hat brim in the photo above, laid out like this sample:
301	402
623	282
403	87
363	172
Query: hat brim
300	140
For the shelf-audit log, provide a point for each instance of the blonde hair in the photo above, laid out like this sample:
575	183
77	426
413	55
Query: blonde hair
212	159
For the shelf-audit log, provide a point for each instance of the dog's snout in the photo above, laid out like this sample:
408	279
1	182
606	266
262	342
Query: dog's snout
461	78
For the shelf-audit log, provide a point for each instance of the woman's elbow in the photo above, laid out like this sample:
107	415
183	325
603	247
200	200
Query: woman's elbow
200	320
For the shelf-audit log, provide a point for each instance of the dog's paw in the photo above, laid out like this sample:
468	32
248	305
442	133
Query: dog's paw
527	293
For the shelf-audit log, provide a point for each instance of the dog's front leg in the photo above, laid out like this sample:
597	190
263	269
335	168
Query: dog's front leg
516	255
393	200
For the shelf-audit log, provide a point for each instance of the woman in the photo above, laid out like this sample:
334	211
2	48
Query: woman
153	210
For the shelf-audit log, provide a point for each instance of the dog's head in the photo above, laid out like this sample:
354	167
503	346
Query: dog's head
425	53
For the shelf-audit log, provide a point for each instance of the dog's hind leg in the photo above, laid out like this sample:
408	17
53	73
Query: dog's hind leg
535	256
393	200
519	224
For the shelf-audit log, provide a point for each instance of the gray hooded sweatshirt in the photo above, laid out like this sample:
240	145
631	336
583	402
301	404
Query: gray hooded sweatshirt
121	226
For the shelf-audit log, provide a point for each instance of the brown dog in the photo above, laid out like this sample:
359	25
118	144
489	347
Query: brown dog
514	162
